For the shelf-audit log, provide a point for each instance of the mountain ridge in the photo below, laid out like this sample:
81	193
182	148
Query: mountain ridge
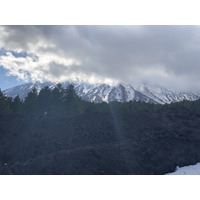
120	92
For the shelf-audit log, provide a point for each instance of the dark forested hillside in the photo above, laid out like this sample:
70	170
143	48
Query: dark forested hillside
55	132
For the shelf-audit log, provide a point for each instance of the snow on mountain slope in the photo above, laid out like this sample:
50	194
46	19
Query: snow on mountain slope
120	92
187	170
162	95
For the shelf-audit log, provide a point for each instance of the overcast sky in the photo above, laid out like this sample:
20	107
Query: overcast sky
164	55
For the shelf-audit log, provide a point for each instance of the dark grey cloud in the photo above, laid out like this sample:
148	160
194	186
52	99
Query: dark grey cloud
166	55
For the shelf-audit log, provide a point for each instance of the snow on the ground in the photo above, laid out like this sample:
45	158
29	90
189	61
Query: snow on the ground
187	170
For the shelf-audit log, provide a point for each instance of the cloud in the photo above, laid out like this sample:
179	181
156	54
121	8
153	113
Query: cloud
165	55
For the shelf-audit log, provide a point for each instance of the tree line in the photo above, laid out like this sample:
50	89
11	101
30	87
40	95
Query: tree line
61	100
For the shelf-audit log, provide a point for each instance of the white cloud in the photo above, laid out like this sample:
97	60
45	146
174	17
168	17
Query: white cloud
48	67
26	68
165	54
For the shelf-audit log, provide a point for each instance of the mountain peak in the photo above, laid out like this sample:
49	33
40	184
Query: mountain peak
120	92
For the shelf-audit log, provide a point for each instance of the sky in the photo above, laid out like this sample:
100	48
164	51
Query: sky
165	55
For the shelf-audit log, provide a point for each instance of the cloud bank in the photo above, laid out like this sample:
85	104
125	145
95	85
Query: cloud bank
164	55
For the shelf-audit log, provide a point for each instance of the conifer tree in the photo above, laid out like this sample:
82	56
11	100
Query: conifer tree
70	99
5	103
57	94
44	99
16	104
30	103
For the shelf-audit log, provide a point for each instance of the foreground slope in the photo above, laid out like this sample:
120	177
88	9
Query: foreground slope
114	138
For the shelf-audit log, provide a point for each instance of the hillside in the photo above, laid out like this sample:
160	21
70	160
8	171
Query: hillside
56	132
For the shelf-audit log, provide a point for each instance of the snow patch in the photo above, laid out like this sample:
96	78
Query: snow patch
187	170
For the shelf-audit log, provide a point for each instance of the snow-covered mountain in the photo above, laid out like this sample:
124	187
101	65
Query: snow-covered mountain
104	92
